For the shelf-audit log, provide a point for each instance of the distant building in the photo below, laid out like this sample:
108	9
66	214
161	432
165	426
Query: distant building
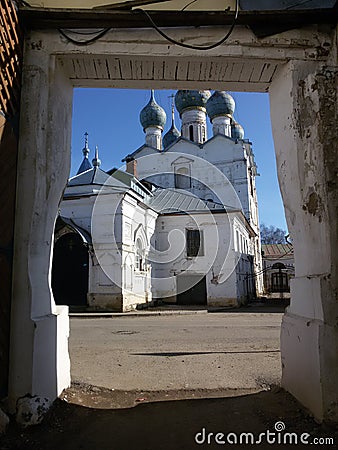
181	224
278	268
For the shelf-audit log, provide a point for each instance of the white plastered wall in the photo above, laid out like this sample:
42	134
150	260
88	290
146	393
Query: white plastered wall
303	110
138	223
218	259
39	360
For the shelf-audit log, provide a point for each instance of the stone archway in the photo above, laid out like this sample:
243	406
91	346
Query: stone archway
298	67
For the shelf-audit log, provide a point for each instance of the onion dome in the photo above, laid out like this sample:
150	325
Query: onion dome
185	99
152	115
220	104
237	131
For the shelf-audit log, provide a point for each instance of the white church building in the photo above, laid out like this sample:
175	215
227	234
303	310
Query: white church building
179	225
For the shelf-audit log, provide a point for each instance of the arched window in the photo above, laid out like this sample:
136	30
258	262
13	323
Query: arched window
203	134
182	178
139	255
191	132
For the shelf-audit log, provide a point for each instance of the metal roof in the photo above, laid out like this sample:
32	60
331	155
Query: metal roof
85	165
98	177
277	250
173	201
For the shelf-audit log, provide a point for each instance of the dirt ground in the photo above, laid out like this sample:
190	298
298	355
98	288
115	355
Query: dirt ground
89	418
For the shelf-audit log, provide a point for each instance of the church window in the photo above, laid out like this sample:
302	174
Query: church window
251	182
191	132
139	258
238	248
194	243
182	178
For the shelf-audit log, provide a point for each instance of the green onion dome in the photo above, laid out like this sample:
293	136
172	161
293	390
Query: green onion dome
220	104
185	99
237	131
152	115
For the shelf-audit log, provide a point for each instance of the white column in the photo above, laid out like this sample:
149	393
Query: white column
304	120
39	360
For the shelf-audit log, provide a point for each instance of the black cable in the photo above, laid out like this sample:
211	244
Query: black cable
193	47
186	6
168	38
88	41
83	33
25	3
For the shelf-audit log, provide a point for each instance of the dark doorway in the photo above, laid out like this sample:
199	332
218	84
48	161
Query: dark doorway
191	290
70	271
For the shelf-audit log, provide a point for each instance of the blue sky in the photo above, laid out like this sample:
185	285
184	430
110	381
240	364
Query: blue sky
111	117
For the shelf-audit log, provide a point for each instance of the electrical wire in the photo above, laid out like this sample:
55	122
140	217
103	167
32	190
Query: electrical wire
100	34
88	41
187	5
261	272
193	47
24	3
83	33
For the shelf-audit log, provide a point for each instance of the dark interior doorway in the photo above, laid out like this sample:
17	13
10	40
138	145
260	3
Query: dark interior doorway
70	271
191	290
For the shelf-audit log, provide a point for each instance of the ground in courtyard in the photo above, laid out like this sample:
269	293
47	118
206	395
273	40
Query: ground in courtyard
161	382
204	351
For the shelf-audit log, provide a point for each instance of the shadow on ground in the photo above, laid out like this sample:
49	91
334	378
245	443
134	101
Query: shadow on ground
167	425
266	306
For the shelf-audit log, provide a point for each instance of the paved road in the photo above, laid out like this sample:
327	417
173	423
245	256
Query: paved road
200	351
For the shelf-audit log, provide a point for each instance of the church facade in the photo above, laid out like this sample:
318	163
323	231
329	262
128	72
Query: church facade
179	225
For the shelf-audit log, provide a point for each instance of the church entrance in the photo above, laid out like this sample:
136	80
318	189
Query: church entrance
70	271
191	290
